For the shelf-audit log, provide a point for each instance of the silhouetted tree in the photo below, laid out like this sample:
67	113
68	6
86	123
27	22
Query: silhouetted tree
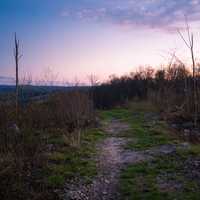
17	57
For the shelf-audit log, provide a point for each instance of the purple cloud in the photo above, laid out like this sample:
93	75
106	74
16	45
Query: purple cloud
162	14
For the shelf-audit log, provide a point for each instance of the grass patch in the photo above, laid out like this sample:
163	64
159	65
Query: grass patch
56	140
148	133
56	180
141	181
145	127
166	177
193	150
69	162
118	113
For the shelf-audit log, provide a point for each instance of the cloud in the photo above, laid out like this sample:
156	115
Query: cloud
160	14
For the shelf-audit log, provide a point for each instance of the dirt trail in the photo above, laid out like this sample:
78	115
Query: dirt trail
113	157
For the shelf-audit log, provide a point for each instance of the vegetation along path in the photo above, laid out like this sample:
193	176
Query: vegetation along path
140	158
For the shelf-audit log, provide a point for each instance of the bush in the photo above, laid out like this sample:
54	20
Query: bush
23	145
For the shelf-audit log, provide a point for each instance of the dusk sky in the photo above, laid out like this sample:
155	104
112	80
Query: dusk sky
76	38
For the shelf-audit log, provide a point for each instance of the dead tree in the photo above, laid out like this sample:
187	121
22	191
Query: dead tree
189	42
17	57
93	80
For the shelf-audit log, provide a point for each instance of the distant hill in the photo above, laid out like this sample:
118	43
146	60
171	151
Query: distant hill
30	92
6	89
38	89
4	80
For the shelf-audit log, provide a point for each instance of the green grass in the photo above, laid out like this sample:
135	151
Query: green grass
56	140
118	113
69	162
56	180
137	182
194	150
148	134
145	131
140	181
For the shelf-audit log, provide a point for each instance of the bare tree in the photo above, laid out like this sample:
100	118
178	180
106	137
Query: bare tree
17	57
50	77
189	42
93	80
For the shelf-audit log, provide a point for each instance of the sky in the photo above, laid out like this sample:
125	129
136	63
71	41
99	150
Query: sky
71	39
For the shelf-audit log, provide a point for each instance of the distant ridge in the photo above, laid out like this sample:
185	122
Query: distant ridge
5	80
39	90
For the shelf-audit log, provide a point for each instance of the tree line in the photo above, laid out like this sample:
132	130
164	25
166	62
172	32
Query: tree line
171	89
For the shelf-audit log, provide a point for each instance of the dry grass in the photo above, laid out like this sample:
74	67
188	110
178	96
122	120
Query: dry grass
23	147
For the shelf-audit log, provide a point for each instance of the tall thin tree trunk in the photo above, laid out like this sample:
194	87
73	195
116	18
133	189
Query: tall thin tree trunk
190	45
17	57
195	93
